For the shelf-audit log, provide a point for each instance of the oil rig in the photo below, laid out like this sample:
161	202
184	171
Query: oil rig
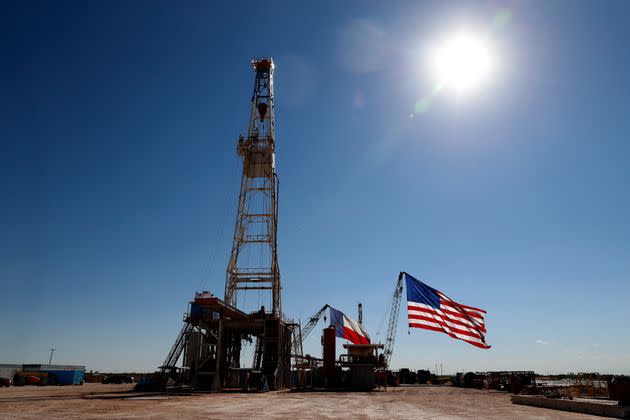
215	330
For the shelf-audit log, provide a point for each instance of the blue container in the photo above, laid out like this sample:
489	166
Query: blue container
199	312
66	377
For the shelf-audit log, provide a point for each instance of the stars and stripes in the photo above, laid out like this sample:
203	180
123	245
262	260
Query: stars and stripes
432	310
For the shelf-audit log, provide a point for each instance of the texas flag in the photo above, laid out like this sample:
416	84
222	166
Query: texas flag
348	328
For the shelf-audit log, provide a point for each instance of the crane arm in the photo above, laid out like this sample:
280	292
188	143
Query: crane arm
312	321
393	319
298	339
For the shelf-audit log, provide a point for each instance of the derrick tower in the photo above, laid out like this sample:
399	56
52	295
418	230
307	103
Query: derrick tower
254	262
211	340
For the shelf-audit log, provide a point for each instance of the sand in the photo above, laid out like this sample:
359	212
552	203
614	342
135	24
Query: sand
406	402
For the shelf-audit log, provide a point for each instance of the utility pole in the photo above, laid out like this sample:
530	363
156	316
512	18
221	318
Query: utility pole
51	355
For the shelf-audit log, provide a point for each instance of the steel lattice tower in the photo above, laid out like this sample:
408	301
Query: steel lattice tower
254	262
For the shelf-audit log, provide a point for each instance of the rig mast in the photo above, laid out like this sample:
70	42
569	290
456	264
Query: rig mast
254	261
211	339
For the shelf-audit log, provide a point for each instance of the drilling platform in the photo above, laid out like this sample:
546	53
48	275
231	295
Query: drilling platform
214	330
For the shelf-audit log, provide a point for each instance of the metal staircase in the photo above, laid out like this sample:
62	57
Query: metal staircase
178	347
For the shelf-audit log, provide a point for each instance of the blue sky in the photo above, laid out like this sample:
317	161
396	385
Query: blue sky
120	177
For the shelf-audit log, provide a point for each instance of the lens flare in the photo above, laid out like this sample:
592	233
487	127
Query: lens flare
462	63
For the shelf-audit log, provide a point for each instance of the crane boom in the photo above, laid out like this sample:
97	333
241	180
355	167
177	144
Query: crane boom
393	320
312	321
304	332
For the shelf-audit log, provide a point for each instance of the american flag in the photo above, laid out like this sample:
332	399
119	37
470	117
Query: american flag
433	310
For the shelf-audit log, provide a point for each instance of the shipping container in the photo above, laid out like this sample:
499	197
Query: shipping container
66	377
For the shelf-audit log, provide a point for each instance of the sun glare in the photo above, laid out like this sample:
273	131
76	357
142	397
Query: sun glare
462	63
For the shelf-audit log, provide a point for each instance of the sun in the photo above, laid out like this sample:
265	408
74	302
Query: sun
462	62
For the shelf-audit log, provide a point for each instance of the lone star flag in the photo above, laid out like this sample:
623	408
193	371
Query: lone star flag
348	328
433	310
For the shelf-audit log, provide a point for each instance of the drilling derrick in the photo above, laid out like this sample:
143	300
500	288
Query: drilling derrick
211	339
253	261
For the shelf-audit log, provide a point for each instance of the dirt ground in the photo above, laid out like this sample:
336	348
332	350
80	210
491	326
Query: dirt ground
412	402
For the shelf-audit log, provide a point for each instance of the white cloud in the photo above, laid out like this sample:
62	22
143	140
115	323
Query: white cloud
541	341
